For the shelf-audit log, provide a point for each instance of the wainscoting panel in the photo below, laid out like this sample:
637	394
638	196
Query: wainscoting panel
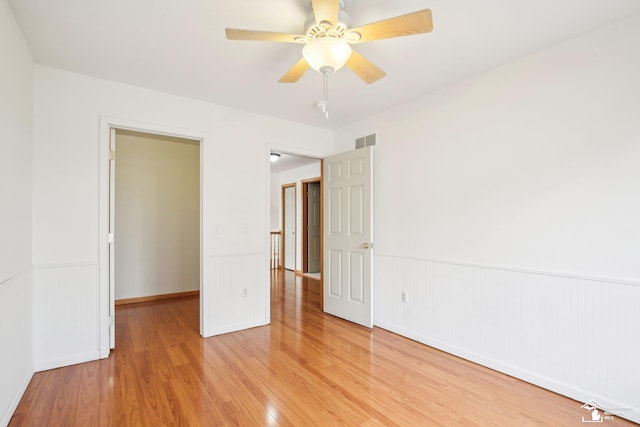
16	366
66	328
235	292
577	336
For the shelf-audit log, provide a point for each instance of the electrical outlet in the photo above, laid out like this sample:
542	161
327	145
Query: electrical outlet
244	293
405	296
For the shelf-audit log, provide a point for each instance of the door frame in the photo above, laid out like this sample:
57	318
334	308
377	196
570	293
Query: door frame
105	301
305	221
283	187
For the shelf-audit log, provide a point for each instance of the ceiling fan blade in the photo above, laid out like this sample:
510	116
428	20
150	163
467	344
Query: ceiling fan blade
405	25
294	74
326	10
364	68
235	34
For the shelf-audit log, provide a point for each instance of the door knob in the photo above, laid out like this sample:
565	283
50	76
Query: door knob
365	246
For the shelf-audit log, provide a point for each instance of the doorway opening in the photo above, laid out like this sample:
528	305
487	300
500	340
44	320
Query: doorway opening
289	175
312	227
346	258
156	215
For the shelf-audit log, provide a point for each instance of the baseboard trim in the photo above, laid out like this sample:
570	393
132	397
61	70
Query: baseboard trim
149	298
66	361
16	399
538	380
235	328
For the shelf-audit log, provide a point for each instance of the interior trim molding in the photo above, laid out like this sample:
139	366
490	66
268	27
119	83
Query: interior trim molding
16	398
531	377
235	254
235	327
65	265
106	124
515	270
13	276
69	360
160	297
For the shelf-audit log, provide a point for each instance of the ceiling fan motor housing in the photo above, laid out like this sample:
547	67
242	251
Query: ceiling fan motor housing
324	29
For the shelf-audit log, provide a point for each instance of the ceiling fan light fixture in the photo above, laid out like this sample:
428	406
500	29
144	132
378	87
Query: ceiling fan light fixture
327	53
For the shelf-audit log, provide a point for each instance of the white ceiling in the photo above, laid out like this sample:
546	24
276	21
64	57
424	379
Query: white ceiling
179	47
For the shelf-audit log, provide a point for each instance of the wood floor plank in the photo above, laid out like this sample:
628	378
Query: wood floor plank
107	400
87	409
64	405
42	387
269	378
305	369
151	387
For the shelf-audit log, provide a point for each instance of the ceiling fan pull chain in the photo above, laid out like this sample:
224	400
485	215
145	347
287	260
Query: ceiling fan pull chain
323	104
325	94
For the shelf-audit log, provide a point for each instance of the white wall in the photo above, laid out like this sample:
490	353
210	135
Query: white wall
296	176
16	122
67	193
507	206
157	215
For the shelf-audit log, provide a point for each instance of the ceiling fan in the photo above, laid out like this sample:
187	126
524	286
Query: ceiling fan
327	40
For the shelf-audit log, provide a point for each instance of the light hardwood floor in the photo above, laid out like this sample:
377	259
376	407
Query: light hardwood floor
305	369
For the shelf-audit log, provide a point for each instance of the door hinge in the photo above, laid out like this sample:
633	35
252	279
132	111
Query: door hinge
112	155
110	237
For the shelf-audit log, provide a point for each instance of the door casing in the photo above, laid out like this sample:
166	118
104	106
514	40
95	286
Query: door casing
285	247
105	295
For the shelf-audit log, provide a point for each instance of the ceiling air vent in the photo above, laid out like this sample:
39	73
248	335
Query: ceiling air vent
366	141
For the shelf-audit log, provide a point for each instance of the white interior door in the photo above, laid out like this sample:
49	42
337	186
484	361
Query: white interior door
112	216
313	227
348	234
289	229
